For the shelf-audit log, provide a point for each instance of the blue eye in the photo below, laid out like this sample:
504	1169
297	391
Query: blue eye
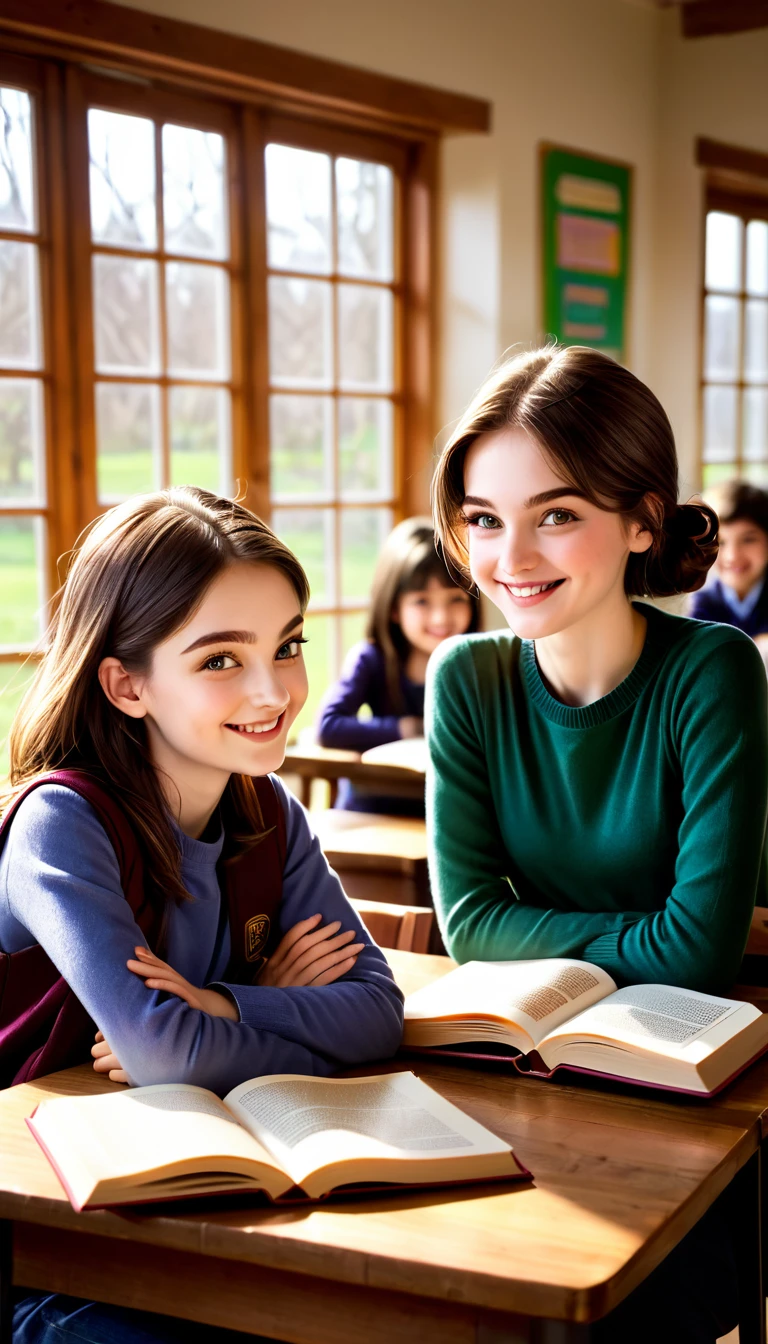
290	650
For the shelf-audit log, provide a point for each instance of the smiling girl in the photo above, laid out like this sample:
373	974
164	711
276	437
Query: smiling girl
174	673
598	771
598	779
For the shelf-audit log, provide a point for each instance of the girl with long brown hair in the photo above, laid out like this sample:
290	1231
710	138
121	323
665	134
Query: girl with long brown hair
598	776
147	744
416	604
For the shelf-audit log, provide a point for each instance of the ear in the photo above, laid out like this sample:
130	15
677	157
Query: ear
122	689
641	538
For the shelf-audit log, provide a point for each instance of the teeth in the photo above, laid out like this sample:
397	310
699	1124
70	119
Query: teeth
531	590
255	727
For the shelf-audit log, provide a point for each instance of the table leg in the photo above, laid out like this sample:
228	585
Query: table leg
533	1330
6	1274
745	1205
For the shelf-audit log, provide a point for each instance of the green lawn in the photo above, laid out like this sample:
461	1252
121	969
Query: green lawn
14	680
18	582
133	473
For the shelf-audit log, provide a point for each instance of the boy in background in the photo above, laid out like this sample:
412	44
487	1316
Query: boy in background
737	593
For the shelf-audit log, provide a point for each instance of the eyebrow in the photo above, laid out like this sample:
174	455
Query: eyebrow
238	636
534	501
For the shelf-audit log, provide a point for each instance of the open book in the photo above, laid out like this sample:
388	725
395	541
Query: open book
285	1134
558	1013
408	752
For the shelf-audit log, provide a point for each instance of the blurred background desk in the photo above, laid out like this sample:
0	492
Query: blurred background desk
308	762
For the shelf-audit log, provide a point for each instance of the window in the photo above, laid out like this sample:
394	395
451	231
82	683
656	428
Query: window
198	288
734	411
333	303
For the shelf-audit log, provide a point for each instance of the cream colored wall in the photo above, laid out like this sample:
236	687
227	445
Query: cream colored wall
715	87
579	72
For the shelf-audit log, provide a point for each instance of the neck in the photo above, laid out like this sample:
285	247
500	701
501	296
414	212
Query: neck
589	660
416	666
192	791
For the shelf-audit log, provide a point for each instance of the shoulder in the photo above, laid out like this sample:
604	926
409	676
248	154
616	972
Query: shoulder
296	820
54	825
363	657
481	657
707	658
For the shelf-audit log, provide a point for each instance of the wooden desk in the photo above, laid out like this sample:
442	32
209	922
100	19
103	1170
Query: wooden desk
619	1180
312	762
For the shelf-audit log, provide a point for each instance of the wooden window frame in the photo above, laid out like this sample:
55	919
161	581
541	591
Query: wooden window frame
736	183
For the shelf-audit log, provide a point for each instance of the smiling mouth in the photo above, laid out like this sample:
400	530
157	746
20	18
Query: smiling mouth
532	589
257	728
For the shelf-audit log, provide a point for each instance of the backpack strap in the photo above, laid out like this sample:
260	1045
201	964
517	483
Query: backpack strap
253	886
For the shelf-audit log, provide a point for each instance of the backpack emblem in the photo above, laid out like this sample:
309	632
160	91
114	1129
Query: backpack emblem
256	935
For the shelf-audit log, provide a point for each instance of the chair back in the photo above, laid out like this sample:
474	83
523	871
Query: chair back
406	927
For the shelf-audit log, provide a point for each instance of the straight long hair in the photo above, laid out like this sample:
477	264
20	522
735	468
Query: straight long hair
409	558
139	575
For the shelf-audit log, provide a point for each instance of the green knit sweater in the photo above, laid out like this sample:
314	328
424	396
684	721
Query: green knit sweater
628	832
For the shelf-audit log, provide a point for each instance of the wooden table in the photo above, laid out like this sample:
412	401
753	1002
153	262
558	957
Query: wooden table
378	858
312	762
620	1177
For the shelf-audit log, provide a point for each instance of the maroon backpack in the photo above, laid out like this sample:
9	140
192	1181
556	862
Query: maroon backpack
43	1025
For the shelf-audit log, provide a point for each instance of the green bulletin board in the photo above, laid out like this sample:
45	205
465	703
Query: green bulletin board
586	217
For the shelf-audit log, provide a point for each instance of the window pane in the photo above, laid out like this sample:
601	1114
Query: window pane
17	191
127	439
15	678
755	423
21	441
365	448
364	213
757	257
757	473
194	208
200	438
21	581
301	438
19	306
756	342
300	346
309	532
714	473
122	179
721	338
719	424
353	627
365	338
198	327
363	532
298	209
125	315
319	661
723	262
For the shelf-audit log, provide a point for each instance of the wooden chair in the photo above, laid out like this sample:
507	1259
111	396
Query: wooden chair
406	927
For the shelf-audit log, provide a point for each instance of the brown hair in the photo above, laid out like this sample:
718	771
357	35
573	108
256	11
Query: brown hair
739	501
409	558
141	572
606	434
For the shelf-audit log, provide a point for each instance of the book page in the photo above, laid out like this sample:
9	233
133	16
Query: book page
660	1018
140	1131
310	1123
410	753
533	996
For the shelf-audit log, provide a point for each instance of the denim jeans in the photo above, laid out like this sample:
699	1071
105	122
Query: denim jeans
51	1318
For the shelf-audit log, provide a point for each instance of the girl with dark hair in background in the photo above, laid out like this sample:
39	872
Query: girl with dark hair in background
597	782
174	673
416	604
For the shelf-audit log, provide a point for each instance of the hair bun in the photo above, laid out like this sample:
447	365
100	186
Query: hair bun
684	551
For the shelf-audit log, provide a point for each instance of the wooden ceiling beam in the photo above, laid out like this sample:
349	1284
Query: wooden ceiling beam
153	45
707	18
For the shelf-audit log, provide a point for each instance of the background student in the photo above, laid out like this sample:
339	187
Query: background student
416	604
737	591
174	674
598	783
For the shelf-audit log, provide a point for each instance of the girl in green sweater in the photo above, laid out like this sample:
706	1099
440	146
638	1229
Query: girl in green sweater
598	771
598	778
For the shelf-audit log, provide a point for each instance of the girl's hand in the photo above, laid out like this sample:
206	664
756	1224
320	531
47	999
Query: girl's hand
311	954
104	1061
159	975
410	726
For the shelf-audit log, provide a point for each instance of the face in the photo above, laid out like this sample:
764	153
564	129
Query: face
544	555
743	555
429	615
224	689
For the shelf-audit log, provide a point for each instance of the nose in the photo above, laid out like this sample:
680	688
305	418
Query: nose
266	689
516	554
